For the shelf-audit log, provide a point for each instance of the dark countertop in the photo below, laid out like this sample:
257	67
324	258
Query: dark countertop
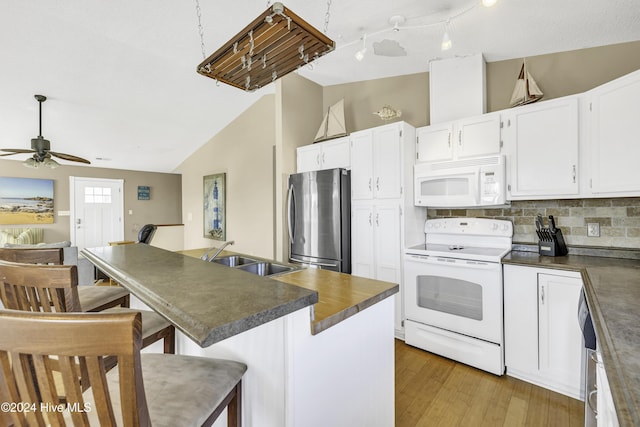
207	301
340	295
612	287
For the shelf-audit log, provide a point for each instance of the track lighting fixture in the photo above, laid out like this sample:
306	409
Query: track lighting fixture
360	54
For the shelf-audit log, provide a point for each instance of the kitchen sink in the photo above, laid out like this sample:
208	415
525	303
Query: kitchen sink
265	268
234	260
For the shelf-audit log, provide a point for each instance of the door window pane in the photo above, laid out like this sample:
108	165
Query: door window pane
97	195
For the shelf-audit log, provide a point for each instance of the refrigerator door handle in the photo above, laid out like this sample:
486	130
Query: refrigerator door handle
321	264
290	196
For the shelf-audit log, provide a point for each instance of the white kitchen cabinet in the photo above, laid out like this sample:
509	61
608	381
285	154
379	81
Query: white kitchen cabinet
541	142
376	244
377	157
384	219
471	137
375	231
613	128
335	153
543	340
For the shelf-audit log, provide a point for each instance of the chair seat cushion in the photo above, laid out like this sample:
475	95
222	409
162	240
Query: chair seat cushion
180	390
152	322
96	296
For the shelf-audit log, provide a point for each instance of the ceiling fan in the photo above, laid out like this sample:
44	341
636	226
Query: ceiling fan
42	148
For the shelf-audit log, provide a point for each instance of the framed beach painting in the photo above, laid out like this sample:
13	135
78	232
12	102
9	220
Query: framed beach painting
26	201
214	206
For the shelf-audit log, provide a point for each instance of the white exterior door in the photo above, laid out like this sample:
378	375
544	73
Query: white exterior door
97	209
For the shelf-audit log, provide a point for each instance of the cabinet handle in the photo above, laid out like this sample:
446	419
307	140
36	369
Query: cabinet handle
377	218
370	214
322	157
591	406
318	159
369	184
449	140
574	174
460	138
542	295
378	183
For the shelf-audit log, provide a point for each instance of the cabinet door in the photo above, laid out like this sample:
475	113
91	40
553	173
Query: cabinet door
362	240
478	136
336	154
362	165
388	252
387	163
542	145
560	338
434	143
615	126
308	158
520	320
387	241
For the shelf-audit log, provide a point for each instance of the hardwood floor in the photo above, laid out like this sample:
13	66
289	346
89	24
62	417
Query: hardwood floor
435	391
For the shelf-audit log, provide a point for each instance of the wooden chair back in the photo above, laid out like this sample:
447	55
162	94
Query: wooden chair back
33	255
51	340
31	287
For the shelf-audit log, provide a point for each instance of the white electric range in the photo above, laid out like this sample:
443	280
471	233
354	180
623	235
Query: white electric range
453	290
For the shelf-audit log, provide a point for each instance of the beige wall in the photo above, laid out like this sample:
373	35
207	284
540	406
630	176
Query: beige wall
244	151
298	115
557	74
561	74
163	208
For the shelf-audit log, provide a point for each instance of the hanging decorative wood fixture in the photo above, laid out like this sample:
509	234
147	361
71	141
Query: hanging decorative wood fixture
273	45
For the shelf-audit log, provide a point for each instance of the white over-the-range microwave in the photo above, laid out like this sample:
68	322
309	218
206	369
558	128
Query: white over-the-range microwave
473	182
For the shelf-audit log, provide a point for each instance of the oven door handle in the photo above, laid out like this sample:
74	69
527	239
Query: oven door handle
459	263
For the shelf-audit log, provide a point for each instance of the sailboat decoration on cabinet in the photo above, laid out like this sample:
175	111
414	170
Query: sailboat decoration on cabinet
332	125
526	90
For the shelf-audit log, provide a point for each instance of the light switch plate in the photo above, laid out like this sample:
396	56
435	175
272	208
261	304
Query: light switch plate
593	229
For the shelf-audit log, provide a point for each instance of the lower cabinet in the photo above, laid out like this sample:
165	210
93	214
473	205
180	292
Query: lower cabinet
543	339
376	245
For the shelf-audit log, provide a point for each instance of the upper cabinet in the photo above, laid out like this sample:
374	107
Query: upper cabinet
377	157
471	137
541	143
613	127
324	155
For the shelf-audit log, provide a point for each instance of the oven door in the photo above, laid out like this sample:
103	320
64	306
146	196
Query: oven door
461	296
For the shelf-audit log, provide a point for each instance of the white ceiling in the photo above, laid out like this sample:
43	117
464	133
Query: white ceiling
121	81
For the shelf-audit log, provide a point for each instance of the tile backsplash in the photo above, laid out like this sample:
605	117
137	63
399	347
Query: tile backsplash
619	219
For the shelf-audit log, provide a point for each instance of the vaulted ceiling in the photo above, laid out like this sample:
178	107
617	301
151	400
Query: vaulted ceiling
120	75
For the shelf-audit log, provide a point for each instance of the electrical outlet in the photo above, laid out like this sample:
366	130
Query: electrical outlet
593	229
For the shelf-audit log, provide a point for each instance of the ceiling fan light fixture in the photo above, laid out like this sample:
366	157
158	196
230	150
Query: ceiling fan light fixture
50	163
31	163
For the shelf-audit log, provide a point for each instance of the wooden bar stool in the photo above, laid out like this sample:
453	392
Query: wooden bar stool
144	390
54	288
92	298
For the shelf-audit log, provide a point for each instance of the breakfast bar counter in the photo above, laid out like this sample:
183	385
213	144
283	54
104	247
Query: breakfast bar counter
319	345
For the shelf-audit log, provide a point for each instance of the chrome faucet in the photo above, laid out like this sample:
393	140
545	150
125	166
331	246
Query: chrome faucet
206	258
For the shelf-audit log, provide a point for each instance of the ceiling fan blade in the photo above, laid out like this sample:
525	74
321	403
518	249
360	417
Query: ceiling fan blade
12	151
69	157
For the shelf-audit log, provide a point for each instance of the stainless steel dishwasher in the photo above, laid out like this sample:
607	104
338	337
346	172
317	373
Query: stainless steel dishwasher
591	391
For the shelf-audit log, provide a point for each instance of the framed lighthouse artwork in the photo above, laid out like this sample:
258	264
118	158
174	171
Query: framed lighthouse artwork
214	206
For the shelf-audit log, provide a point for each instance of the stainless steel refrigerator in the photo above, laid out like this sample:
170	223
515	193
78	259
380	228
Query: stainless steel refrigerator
319	219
